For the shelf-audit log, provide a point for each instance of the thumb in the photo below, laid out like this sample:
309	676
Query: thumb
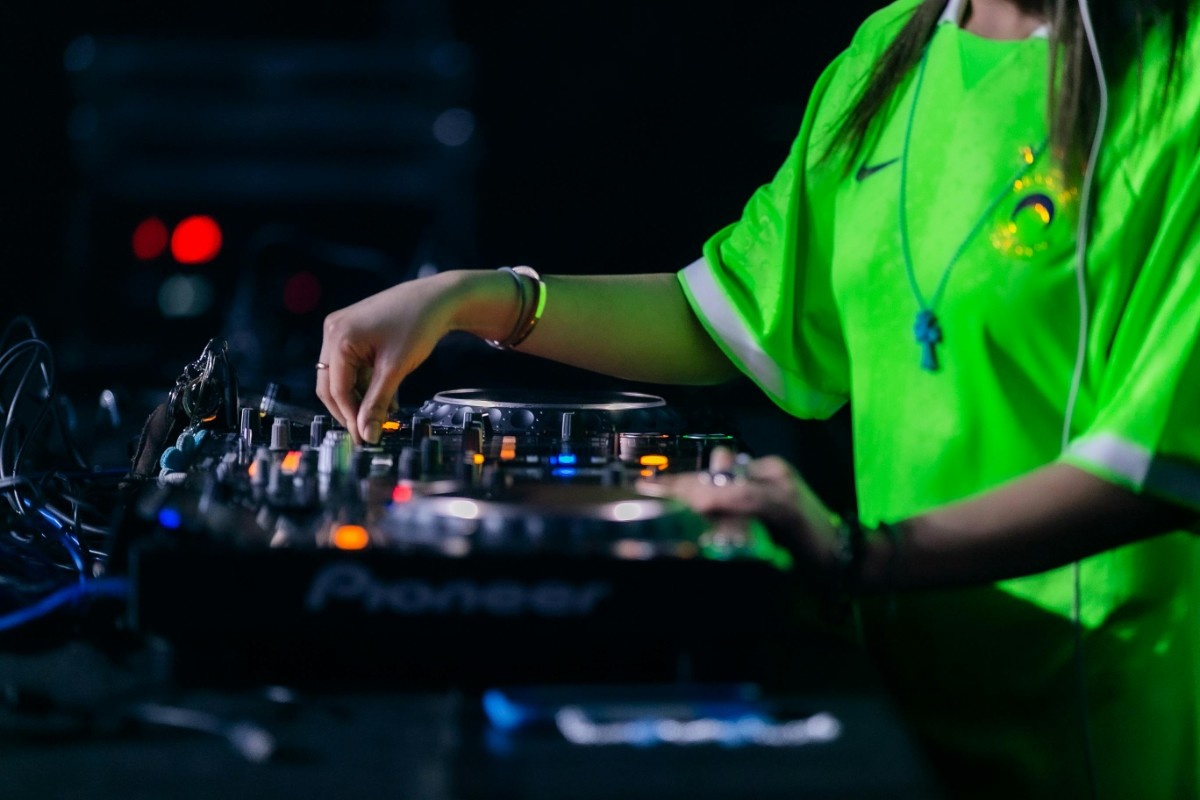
376	402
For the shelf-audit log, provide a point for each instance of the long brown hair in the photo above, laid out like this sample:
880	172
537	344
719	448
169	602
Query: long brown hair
1120	27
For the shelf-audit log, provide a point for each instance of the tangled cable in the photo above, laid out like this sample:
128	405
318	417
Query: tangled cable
56	513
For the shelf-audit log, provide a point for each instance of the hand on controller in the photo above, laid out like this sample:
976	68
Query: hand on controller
770	490
369	347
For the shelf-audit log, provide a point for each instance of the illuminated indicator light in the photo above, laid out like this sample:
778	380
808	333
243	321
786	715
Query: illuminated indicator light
463	509
1019	185
648	472
1042	212
1027	154
150	239
402	493
350	537
196	240
391	425
301	293
477	458
253	469
169	518
502	712
564	472
508	448
291	462
654	461
627	512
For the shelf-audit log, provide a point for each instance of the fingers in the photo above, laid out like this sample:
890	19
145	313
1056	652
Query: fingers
372	345
378	399
768	488
359	397
698	490
771	468
722	459
337	385
739	497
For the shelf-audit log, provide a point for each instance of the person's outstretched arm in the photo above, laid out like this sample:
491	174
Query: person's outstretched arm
637	327
1047	518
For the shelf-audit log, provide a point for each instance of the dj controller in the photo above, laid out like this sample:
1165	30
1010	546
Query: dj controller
489	536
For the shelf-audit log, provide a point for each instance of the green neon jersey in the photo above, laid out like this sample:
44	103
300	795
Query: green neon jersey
811	295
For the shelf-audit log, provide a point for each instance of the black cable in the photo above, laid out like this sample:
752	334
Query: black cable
43	409
7	360
60	509
13	323
47	374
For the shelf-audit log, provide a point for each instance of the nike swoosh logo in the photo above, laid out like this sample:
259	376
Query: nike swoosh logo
865	171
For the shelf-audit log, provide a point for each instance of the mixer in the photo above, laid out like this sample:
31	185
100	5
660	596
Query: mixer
489	535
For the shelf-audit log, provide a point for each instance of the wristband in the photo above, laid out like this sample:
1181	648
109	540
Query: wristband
530	312
539	303
848	557
506	342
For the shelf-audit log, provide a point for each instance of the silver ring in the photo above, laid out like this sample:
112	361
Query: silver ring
720	478
724	478
322	365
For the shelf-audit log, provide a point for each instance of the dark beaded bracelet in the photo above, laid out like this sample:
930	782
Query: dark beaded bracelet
851	550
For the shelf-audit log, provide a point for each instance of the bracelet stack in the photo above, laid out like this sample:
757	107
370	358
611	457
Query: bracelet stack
851	549
531	292
850	552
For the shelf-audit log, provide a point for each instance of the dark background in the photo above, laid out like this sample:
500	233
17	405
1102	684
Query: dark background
607	137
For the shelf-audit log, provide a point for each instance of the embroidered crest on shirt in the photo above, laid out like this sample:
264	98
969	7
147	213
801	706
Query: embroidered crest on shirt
1042	206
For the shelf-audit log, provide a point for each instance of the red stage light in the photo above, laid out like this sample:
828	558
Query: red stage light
149	239
301	293
196	240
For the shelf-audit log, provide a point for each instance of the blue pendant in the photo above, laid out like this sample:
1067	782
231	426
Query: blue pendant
928	333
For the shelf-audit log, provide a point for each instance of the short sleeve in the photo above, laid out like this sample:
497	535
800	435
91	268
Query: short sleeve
762	289
1145	432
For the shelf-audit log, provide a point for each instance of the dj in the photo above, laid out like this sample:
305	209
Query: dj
1001	274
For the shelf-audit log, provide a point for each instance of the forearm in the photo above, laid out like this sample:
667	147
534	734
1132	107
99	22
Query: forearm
637	327
1047	519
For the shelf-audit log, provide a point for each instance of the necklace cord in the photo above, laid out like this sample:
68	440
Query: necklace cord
927	329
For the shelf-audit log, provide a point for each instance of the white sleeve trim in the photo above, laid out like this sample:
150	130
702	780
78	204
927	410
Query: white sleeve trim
1166	477
737	339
